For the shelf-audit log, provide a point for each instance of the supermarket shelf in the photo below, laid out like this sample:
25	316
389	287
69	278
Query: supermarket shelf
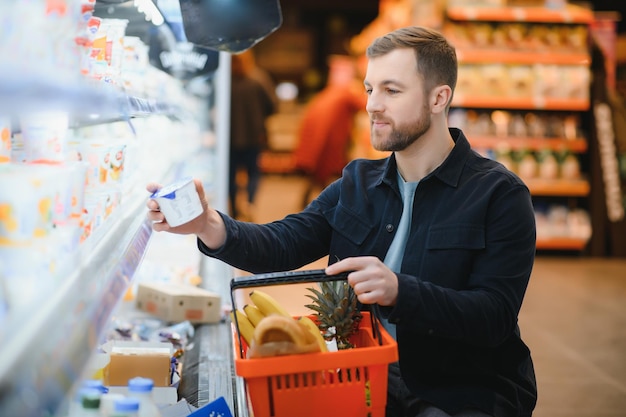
558	188
129	107
89	102
561	243
473	56
48	345
568	14
521	57
32	91
47	341
521	103
578	145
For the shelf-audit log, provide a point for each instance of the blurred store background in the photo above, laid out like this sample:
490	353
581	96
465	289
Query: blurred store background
526	94
542	88
537	73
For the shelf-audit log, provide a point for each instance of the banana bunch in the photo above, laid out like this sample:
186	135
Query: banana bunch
270	330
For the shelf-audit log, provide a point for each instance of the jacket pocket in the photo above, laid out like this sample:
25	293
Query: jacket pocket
456	236
348	224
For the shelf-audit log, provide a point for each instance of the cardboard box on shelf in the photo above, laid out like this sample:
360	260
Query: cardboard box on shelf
174	302
130	359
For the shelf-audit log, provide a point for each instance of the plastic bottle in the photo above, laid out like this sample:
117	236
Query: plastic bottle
95	384
75	405
88	403
91	403
107	403
125	407
141	388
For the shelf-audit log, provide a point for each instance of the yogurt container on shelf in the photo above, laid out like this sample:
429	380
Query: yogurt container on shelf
108	50
28	272
17	148
44	136
98	206
5	140
27	196
104	158
179	202
78	180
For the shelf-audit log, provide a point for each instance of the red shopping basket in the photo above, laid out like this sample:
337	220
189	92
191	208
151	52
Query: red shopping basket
351	382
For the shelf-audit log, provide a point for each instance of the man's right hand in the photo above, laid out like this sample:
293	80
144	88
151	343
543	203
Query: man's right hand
208	226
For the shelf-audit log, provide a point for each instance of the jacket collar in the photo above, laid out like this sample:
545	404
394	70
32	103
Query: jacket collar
448	172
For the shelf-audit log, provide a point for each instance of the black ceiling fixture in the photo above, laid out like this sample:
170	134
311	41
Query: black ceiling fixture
230	25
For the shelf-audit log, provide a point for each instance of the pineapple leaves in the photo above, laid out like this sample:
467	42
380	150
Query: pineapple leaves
336	306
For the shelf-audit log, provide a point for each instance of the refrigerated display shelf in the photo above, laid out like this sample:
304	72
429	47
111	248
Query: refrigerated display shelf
47	344
47	340
146	107
32	91
89	102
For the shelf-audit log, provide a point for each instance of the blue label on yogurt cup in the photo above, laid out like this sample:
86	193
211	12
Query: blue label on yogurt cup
169	191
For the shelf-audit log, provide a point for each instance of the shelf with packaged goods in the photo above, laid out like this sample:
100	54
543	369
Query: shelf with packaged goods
558	187
576	145
520	57
37	90
518	61
561	243
130	107
50	329
88	101
569	13
48	342
522	103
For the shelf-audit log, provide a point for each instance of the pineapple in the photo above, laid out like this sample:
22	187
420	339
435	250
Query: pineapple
335	304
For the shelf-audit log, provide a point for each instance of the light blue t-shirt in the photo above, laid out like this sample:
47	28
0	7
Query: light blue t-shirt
394	256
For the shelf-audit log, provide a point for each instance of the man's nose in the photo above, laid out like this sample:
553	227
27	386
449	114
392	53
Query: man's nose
374	103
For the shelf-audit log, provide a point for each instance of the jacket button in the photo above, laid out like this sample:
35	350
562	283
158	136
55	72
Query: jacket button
389	228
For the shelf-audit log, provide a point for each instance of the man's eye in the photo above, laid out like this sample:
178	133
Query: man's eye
368	91
392	91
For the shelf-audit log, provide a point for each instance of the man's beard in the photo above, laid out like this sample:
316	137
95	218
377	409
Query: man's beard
402	137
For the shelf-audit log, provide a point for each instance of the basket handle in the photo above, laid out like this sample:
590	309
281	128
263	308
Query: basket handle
295	277
287	277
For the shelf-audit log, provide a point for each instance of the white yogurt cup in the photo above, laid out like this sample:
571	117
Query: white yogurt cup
179	202
44	135
5	140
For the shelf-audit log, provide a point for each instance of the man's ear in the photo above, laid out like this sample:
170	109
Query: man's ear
440	97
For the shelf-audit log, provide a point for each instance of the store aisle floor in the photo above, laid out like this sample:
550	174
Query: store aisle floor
573	320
